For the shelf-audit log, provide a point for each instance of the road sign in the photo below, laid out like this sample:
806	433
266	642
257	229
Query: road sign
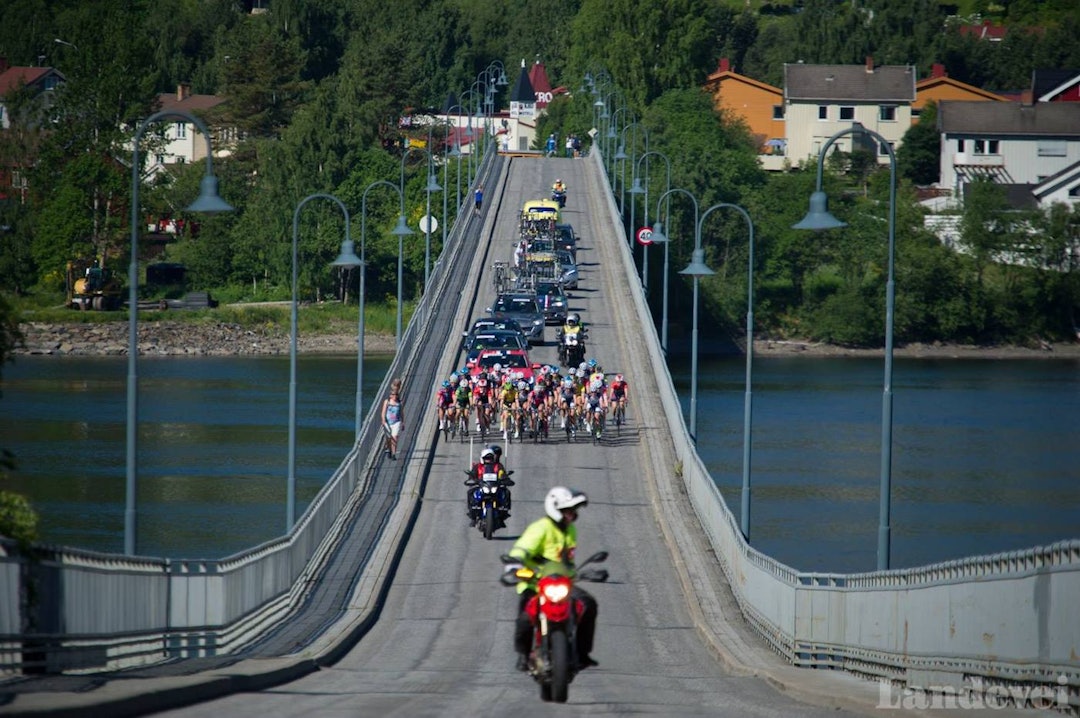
644	236
428	224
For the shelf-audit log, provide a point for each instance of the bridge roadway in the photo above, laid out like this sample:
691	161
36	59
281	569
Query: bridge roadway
670	638
442	642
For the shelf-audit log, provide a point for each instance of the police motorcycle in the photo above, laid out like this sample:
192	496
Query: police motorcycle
554	613
489	499
558	194
571	340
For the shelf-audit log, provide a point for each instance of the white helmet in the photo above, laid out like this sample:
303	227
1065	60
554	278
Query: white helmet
560	498
487	453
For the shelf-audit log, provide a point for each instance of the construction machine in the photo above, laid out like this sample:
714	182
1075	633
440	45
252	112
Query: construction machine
91	286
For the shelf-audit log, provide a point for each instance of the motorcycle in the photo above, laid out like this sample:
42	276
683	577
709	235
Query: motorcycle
559	196
571	347
554	613
491	498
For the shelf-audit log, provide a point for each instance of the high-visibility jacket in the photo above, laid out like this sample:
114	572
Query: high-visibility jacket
544	540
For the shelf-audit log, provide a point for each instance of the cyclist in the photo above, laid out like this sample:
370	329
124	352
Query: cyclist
618	393
462	402
481	399
444	401
567	400
596	406
508	396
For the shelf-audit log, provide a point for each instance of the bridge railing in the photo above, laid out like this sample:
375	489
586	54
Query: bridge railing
64	609
1005	626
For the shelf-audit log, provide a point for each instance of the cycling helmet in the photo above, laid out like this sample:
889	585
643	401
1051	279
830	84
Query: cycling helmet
523	385
581	373
446	384
497	367
483	383
487	454
568	381
592	363
561	498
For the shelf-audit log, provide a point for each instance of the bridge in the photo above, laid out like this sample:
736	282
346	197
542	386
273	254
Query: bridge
382	600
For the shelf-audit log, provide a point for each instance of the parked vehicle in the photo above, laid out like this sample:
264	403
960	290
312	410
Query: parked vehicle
554	612
91	286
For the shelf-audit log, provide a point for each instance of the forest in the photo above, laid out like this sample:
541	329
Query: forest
316	91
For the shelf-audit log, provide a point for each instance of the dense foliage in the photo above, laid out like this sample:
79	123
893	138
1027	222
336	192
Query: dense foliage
317	90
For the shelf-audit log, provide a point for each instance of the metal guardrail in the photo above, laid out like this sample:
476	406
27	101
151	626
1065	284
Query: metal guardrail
69	610
1002	626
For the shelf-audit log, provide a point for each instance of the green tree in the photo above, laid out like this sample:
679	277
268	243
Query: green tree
918	158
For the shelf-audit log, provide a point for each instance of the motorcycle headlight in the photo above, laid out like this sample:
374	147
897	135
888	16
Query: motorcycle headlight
556	592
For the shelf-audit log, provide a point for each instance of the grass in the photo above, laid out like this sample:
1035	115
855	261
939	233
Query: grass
312	319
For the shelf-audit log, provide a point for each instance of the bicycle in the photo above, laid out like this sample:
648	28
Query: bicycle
500	280
448	422
597	425
463	424
619	416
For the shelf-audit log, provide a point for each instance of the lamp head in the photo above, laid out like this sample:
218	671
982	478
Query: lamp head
432	184
697	267
621	154
636	187
402	228
455	151
819	218
209	200
348	257
611	132
658	236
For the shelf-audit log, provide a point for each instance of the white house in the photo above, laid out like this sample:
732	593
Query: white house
184	144
1012	143
821	100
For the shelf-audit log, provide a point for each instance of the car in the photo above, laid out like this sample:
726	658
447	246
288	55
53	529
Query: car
493	339
554	302
568	269
566	239
517	360
525	310
487	324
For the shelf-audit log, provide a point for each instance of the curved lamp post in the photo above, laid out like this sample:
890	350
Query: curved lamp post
290	492
207	201
349	259
432	186
637	189
819	218
612	134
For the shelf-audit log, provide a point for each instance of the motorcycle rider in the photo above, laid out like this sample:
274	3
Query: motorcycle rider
553	538
487	465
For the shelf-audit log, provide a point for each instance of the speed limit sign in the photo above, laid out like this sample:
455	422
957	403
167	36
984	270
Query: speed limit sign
644	236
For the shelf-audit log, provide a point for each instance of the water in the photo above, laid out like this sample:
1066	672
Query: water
985	453
213	445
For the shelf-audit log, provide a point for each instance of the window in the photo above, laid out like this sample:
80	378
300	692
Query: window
883	148
823	112
1052	148
1075	191
847	113
959	145
778	112
887	113
986	147
181	130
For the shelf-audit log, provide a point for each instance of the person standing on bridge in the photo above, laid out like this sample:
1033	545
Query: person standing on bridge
478	198
393	418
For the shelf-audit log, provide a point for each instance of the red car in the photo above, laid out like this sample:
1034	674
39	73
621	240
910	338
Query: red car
516	359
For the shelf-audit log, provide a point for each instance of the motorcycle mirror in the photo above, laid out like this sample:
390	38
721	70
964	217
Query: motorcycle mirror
597	557
507	558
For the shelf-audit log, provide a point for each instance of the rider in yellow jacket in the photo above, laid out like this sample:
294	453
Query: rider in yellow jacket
553	538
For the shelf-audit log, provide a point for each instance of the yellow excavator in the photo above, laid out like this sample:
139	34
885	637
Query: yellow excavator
91	286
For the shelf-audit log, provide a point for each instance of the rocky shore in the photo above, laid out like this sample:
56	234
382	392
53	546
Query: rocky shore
168	338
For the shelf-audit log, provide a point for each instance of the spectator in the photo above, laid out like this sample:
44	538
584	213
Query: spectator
393	418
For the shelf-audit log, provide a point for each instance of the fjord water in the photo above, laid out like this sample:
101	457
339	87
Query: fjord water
986	453
985	456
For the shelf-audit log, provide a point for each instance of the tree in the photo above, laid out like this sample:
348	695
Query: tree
918	158
17	519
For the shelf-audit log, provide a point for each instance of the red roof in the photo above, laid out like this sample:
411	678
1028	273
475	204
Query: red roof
15	76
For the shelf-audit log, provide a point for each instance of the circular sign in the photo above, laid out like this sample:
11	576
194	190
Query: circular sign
428	224
644	236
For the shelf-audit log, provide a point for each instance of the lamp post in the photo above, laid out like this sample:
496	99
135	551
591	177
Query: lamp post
290	492
621	155
432	186
612	135
645	249
819	218
696	269
207	201
348	259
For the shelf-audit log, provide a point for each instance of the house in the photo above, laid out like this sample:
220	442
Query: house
758	104
1055	85
1012	143
39	85
184	144
519	132
821	100
939	87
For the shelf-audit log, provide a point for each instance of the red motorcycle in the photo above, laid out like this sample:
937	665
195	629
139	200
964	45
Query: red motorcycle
553	661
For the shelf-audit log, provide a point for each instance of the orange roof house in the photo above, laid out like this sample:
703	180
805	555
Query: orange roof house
939	86
760	105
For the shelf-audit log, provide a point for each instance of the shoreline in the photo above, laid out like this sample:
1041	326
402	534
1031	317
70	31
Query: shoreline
224	339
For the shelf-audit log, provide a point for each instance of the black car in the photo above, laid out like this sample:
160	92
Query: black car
486	325
525	310
553	301
566	239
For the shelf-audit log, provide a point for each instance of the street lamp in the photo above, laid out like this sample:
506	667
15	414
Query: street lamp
432	186
207	201
621	155
348	259
637	189
819	218
290	487
401	231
